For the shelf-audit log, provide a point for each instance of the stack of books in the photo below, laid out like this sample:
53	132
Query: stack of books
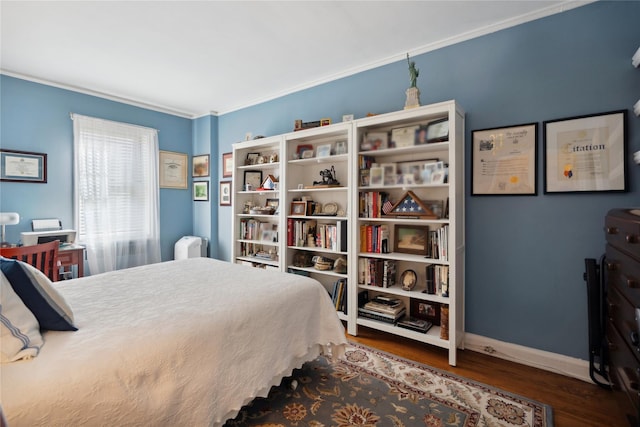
384	309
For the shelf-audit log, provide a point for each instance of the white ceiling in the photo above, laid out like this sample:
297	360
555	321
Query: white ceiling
198	57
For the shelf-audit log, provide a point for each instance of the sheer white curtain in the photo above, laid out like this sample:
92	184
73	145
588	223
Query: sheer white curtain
116	193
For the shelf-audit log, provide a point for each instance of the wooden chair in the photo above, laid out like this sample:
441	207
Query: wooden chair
44	257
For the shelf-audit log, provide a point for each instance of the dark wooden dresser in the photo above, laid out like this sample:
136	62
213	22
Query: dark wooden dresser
622	229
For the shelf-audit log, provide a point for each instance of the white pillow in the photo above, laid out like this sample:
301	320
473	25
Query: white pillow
19	329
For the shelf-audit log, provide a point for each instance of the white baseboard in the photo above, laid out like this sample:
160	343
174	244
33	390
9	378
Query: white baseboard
553	362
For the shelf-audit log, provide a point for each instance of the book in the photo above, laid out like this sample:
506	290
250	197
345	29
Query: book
363	312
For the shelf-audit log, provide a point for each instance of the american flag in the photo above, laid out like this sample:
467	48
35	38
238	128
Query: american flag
409	205
386	207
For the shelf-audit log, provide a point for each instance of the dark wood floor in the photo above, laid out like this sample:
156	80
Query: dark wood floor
575	403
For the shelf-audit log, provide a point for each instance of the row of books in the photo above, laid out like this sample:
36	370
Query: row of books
437	280
252	229
438	243
339	295
374	239
373	204
377	272
308	233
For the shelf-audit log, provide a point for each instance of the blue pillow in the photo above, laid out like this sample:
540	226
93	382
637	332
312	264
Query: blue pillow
37	292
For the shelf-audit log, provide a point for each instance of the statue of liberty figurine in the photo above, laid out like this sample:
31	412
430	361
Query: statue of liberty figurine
413	93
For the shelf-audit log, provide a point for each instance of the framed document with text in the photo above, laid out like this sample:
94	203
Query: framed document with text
504	161
23	166
586	153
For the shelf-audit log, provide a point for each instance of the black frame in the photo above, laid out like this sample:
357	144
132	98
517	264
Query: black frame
42	166
586	125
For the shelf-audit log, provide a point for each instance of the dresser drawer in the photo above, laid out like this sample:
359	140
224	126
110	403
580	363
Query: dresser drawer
623	272
622	230
624	372
622	315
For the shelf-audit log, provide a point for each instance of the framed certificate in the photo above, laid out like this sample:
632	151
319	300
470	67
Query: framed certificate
23	166
586	153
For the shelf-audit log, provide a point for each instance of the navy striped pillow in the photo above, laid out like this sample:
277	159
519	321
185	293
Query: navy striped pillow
37	292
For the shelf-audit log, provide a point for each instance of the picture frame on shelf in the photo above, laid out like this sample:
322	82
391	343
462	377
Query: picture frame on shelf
425	310
375	141
414	167
298	208
275	204
252	158
376	177
200	166
586	154
225	193
504	161
253	179
307	154
408	280
389	173
436	131
301	148
173	170
227	165
341	147
323	150
23	166
411	239
201	191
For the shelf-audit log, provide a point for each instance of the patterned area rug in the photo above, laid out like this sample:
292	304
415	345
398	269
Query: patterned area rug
372	388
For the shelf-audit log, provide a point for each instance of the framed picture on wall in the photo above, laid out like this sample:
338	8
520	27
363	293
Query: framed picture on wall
201	191
173	170
504	161
200	166
23	166
225	193
586	153
227	165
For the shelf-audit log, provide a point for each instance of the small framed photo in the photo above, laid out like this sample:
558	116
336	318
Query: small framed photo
298	208
201	191
411	239
389	172
341	147
225	193
307	154
300	149
376	177
227	165
252	180
275	204
324	150
252	158
23	166
200	166
425	310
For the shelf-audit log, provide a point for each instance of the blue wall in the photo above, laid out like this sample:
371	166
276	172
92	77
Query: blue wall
35	117
525	255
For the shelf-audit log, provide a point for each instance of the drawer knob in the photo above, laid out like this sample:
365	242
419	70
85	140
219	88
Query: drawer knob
611	265
634	338
631	238
631	282
612	230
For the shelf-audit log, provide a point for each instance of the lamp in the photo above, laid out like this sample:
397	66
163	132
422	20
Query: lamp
8	218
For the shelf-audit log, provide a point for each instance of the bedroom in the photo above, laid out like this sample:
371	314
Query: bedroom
524	259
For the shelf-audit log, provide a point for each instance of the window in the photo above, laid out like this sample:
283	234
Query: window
116	193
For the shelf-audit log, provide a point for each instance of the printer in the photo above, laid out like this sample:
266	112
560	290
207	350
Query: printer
47	230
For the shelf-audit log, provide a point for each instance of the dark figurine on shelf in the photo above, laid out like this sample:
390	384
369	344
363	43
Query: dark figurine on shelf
328	177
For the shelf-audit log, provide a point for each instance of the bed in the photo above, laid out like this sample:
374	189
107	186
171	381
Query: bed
185	342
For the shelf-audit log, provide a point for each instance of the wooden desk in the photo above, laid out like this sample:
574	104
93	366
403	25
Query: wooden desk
70	255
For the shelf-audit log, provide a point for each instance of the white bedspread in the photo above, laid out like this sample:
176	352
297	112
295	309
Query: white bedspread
181	343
